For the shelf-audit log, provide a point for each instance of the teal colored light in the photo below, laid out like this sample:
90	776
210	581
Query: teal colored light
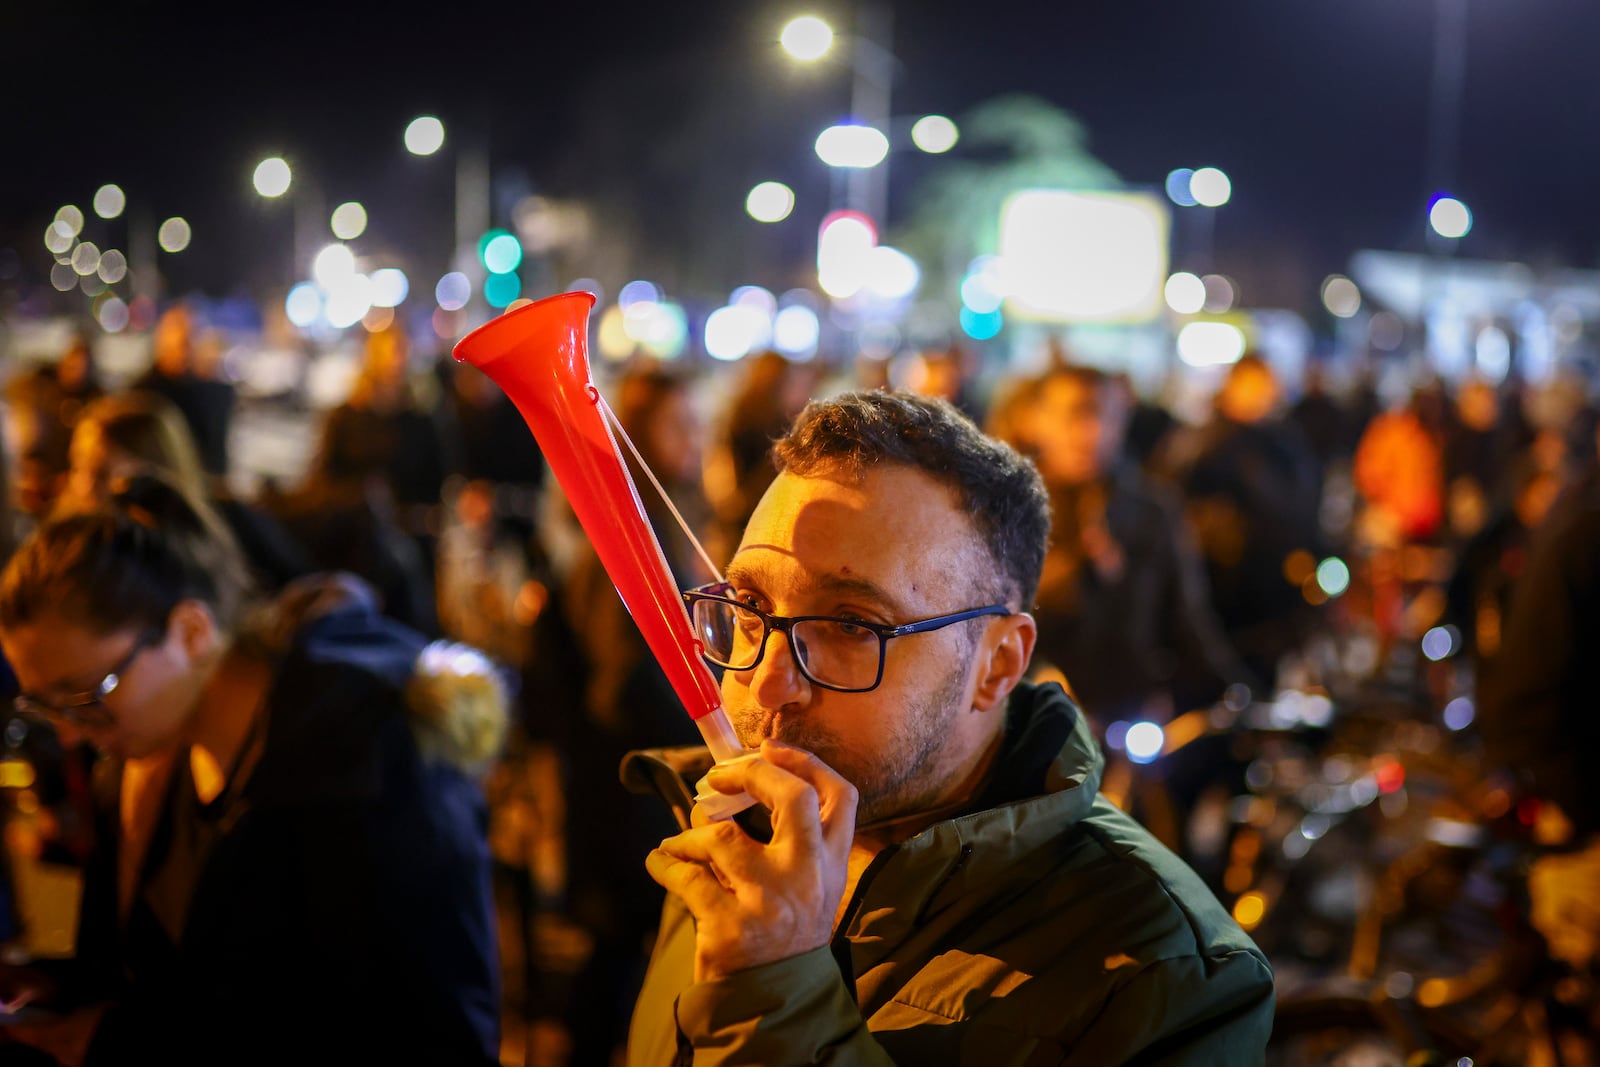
981	326
501	252
501	289
668	333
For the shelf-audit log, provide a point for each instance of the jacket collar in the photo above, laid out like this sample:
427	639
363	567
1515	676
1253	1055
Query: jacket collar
1046	778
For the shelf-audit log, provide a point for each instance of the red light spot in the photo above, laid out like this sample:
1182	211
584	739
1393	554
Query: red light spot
1390	776
1528	810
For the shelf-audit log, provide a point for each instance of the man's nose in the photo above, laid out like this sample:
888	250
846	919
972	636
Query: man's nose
777	679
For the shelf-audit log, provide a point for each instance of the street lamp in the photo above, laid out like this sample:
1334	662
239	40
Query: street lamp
872	67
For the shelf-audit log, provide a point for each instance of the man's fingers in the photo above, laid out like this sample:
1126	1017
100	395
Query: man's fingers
700	889
836	797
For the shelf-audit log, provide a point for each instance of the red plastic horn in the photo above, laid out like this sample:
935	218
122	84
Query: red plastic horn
538	354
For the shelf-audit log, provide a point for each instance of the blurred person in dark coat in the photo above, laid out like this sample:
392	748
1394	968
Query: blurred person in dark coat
1251	486
1536	707
290	859
190	378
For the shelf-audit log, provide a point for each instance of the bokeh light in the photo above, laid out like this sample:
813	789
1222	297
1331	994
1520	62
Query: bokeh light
770	202
1340	296
272	177
806	38
1185	293
981	326
86	259
844	251
1333	576
58	237
424	135
1220	294
1441	642
732	332
796	331
453	292
1449	217
109	201
500	289
174	234
113	266
891	274
1210	187
303	305
333	264
63	278
349	300
390	287
501	253
1178	190
1459	713
852	145
934	134
1144	741
349	221
70	216
1210	344
112	314
635	291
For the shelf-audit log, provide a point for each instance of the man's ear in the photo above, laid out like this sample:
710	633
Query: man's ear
195	628
1003	658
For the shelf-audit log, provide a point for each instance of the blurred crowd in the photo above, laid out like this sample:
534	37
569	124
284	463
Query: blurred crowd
1194	563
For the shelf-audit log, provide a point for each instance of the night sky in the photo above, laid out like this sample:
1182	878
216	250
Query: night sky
1319	111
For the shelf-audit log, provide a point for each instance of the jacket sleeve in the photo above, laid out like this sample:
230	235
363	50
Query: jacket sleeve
1190	1011
793	1011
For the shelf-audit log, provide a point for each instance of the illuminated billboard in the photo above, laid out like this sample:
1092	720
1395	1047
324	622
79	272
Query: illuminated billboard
1082	257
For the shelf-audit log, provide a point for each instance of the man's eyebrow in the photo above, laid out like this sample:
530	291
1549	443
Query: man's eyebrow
833	584
866	589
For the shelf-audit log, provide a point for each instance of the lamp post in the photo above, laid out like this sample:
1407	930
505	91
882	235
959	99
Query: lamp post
872	69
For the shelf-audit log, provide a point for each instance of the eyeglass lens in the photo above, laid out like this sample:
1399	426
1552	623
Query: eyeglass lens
832	652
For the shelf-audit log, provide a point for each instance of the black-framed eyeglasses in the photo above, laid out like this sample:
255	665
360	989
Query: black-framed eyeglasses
88	708
845	655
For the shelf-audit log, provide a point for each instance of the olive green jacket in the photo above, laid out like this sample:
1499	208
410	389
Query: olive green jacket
1043	927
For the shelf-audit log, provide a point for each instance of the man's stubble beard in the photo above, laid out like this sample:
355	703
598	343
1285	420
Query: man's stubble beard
906	776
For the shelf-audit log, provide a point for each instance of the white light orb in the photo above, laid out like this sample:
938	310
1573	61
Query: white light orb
174	234
332	265
795	331
806	38
770	202
1185	293
1340	296
852	145
424	136
1450	217
272	177
109	200
303	305
349	221
935	134
71	217
390	287
113	266
1144	741
1210	187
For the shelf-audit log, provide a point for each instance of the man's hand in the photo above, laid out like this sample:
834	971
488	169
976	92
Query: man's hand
756	903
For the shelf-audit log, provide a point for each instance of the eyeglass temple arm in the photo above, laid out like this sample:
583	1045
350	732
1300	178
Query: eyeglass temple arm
946	620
